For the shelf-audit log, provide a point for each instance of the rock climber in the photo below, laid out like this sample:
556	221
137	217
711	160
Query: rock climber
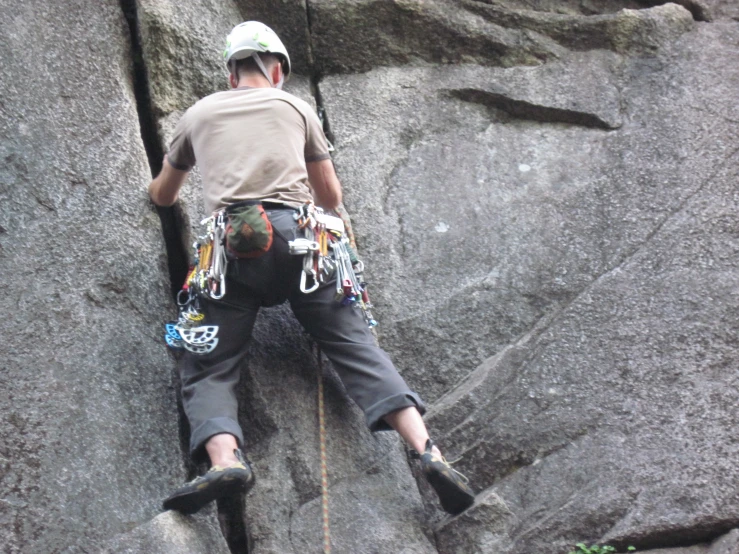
257	143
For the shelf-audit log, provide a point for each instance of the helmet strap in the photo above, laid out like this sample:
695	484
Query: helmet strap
263	69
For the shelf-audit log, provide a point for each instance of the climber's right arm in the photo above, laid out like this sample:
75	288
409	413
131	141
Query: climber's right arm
165	188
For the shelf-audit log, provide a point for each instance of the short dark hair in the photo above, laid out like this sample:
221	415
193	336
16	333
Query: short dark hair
248	65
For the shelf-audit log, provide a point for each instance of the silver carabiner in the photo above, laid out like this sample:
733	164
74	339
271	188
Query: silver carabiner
184	298
304	279
222	288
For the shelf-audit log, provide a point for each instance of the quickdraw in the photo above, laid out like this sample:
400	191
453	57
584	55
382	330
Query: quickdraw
327	251
206	277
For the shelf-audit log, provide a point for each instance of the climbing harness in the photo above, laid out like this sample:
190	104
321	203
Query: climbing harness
327	251
324	457
206	278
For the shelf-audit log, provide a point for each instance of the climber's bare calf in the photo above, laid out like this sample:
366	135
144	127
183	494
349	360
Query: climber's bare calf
221	449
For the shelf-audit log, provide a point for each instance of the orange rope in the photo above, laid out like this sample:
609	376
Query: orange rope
324	465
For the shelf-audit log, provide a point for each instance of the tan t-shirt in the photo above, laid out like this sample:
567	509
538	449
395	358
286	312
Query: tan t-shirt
250	144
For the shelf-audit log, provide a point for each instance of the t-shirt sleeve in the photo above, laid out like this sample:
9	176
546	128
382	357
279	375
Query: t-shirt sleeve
181	155
316	145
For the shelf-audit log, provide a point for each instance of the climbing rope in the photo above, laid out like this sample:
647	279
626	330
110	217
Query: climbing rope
324	464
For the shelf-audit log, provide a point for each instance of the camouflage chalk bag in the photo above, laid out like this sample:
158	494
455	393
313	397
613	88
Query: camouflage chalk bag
248	230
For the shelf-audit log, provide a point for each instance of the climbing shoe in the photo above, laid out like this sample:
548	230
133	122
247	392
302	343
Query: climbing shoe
451	486
217	483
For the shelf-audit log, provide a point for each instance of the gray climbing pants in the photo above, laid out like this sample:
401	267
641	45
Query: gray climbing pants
209	381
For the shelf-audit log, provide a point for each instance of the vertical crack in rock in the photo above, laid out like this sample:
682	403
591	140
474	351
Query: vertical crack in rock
172	218
233	524
320	108
174	229
309	36
147	122
315	78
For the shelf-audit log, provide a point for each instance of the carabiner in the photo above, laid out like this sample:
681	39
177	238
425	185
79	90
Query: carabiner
304	279
181	301
222	283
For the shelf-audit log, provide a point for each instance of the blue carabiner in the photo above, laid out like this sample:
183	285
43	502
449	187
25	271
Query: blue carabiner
174	344
172	331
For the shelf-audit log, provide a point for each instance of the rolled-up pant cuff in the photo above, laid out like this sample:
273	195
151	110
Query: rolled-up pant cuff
379	410
207	429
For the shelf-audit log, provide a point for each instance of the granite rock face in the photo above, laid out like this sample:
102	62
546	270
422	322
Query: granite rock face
172	533
726	544
480	529
556	272
88	421
185	42
483	32
544	194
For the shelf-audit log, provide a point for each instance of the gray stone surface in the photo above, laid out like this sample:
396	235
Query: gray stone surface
183	45
447	188
471	31
544	193
696	549
480	529
372	507
172	533
185	42
721	9
88	423
593	266
726	544
439	238
573	428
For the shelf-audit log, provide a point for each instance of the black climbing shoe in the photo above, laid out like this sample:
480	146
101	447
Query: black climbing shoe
451	486
217	483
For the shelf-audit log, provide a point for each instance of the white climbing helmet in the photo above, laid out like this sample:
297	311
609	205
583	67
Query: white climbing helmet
252	38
